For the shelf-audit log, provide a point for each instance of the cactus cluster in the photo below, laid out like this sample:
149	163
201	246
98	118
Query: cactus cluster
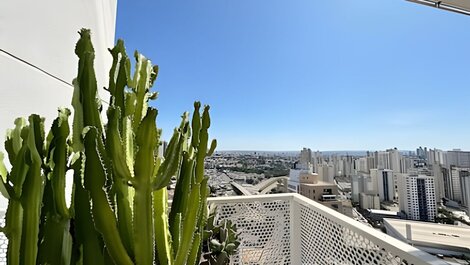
118	211
220	240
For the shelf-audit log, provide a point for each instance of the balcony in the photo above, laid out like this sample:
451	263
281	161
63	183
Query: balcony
291	229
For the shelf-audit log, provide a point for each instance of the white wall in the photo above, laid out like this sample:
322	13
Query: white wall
44	34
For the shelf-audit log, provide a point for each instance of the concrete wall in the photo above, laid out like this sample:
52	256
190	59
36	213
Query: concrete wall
43	34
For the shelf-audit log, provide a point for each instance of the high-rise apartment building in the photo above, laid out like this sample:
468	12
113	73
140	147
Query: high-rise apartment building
385	183
369	201
383	160
294	176
417	197
306	157
465	187
363	183
326	172
456	191
458	158
395	160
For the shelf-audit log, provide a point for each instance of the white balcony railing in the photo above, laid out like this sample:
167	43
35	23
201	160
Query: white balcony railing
291	229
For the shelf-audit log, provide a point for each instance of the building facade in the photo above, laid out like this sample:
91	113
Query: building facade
323	192
417	197
385	183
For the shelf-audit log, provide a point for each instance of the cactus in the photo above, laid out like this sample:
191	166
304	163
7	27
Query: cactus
220	241
118	212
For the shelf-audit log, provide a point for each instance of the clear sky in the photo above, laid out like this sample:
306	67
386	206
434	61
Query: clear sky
329	75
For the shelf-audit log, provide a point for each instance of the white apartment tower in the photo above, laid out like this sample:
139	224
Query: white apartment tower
363	183
306	157
456	193
418	197
326	172
465	186
385	183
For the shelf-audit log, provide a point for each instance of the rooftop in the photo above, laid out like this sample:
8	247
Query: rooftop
432	234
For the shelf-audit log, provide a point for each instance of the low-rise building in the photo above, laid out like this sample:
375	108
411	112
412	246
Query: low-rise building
323	192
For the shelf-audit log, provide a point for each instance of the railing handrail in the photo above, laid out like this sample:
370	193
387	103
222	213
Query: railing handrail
390	244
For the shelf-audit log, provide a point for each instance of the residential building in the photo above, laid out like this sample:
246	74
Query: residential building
326	172
357	187
369	201
458	158
395	160
294	176
323	192
361	165
465	188
383	160
306	157
456	187
385	183
417	197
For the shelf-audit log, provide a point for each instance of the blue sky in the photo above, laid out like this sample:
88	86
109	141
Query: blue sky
329	75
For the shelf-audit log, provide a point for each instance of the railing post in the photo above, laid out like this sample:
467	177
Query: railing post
295	229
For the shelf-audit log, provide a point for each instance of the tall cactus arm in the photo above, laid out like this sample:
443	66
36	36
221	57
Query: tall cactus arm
88	246
141	84
14	140
5	188
118	75
58	162
193	258
163	245
116	151
86	81
77	126
55	240
32	193
146	140
202	148
172	161
183	188
114	145
189	226
14	230
173	155
103	216
196	124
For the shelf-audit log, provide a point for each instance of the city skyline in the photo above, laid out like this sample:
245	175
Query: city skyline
332	75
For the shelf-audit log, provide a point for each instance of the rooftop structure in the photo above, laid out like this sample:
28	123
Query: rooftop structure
459	6
431	237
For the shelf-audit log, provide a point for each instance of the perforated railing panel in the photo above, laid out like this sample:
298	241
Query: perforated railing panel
264	228
269	224
324	241
3	241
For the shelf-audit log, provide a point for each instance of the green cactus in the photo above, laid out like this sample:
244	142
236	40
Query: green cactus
220	241
118	212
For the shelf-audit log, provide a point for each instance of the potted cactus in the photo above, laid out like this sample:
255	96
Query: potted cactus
118	212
